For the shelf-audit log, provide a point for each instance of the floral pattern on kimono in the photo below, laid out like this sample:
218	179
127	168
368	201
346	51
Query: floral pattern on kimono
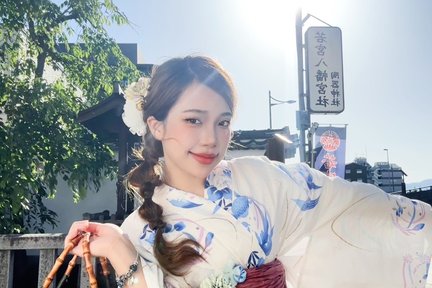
326	231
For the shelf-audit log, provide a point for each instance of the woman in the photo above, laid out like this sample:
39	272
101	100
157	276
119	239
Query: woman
247	222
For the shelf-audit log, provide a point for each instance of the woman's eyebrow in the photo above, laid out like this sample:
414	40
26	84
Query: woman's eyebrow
195	110
229	114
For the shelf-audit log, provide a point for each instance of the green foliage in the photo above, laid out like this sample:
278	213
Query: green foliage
40	139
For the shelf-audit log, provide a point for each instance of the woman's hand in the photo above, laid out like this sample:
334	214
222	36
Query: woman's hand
107	240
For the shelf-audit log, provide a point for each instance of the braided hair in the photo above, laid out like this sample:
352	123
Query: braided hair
168	82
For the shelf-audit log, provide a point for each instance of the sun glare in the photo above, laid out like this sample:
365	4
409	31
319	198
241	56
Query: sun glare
270	21
273	21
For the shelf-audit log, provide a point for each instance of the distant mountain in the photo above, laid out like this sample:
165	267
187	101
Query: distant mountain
424	183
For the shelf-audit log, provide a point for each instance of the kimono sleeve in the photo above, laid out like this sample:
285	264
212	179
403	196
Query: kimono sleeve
316	200
330	222
134	227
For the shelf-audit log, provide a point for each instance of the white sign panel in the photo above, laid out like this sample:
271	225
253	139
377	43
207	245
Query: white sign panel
324	70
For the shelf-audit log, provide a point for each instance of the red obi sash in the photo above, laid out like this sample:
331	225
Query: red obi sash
268	275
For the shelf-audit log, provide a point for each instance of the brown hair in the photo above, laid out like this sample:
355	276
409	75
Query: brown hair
167	83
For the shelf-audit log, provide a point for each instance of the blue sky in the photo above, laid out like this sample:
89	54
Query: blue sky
386	53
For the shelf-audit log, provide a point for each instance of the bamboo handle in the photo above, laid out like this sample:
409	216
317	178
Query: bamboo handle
85	237
88	264
105	269
66	276
59	261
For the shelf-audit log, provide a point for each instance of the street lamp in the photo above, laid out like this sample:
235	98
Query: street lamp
276	102
388	163
283	138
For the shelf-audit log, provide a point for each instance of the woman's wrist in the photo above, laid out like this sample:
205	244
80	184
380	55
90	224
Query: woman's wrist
126	262
122	254
129	278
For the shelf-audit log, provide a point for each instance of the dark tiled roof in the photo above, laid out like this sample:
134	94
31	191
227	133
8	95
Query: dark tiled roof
255	139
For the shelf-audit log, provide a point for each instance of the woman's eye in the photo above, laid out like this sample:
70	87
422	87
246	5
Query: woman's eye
193	121
225	123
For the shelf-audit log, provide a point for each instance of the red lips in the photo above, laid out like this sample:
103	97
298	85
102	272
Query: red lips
203	158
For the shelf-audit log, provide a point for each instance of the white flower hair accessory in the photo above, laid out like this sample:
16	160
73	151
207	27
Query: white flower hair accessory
133	110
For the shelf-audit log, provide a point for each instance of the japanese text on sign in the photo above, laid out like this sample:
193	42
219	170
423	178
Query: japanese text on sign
324	70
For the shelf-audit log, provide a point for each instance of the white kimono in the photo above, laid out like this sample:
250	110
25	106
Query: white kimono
327	232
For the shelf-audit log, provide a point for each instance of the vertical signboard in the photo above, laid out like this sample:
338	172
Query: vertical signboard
324	71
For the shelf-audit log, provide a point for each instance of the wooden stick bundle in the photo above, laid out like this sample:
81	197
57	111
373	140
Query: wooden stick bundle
85	238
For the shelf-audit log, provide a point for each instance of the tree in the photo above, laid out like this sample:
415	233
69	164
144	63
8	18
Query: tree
40	139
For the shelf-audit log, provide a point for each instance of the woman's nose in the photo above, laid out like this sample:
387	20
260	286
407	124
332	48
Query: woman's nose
208	135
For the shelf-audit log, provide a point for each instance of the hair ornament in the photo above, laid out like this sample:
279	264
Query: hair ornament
133	109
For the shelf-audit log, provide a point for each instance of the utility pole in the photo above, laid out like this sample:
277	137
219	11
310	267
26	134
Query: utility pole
302	116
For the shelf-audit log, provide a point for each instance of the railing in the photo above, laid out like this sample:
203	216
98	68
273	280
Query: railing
420	189
48	245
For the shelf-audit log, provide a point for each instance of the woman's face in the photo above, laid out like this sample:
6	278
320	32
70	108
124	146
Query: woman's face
194	136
